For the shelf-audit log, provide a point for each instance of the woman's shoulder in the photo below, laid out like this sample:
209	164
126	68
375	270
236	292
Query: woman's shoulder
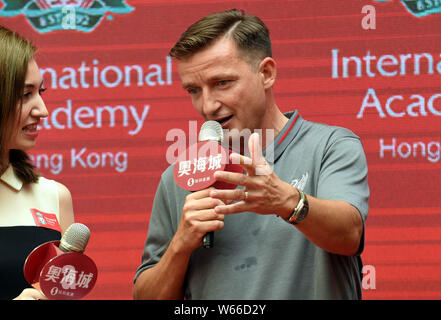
61	188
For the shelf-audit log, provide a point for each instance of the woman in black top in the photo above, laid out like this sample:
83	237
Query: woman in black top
26	199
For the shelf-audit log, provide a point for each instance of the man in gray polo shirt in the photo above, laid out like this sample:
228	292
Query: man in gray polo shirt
294	228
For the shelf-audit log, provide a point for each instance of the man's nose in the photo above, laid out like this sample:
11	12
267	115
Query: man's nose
210	103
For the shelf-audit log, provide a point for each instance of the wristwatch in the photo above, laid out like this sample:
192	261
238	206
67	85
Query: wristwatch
301	210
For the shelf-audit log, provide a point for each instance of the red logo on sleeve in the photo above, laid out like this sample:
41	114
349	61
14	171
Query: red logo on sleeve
45	220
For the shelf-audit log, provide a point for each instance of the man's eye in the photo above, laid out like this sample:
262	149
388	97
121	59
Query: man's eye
41	91
27	95
223	83
192	91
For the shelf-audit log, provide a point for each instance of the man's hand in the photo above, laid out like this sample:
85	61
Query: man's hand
263	192
198	218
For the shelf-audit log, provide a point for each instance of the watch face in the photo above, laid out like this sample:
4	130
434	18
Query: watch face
302	214
301	211
304	209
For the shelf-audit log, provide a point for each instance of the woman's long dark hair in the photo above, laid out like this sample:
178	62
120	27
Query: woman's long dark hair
15	54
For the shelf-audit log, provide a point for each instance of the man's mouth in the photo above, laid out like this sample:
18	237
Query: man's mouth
223	121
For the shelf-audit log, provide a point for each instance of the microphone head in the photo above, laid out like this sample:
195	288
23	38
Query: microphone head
75	238
211	131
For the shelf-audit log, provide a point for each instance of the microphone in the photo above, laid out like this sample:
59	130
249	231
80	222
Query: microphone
60	269
194	170
210	131
75	238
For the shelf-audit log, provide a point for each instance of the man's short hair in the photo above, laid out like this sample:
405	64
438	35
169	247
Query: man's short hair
249	33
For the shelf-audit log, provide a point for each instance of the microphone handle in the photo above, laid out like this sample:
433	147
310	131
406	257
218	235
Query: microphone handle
208	240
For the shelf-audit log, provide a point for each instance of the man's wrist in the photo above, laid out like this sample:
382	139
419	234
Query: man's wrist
300	212
296	207
290	203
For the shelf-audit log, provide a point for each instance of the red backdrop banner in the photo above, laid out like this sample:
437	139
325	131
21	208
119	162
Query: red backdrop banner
113	95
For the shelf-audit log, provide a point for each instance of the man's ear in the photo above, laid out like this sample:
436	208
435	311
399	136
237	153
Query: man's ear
268	71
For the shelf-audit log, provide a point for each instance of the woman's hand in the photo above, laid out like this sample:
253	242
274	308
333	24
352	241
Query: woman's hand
31	294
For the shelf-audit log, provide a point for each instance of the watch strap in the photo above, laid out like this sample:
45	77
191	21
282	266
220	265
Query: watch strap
301	210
